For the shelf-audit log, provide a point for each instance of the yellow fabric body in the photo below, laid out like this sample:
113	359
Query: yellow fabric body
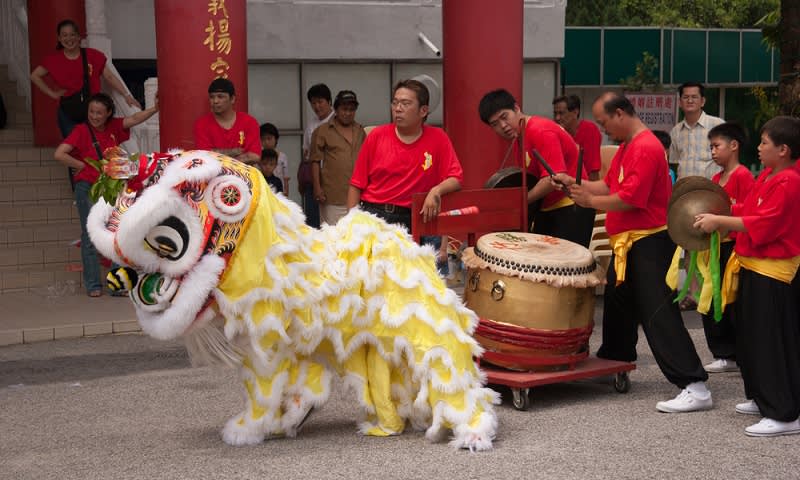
621	244
781	269
564	202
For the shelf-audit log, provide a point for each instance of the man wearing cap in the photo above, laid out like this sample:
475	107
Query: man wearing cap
333	151
403	158
225	130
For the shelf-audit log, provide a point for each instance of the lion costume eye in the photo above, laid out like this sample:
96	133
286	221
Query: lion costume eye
169	239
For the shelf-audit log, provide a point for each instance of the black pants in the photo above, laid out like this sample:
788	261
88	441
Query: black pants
571	223
644	298
402	218
768	342
721	336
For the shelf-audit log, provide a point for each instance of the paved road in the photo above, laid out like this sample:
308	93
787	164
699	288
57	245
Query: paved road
128	407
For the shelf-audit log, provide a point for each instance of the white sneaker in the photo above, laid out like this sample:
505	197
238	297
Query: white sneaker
768	427
721	365
748	408
686	401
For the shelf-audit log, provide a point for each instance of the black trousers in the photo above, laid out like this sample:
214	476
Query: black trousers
396	217
644	298
721	336
571	223
768	342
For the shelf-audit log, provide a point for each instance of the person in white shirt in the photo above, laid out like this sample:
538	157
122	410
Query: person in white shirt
319	96
690	148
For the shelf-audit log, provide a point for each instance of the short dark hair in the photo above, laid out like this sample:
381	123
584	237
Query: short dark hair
105	100
66	23
784	130
729	131
692	84
269	129
319	90
269	155
493	102
613	101
419	88
222	85
573	102
664	138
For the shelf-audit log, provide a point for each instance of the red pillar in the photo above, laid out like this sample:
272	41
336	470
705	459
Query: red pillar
43	19
482	52
196	42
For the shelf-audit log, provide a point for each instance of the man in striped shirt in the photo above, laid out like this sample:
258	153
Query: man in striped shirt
690	148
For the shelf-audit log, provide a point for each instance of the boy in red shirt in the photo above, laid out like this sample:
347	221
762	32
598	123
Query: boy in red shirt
558	215
766	259
726	142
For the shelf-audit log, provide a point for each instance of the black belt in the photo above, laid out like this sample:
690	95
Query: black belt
386	207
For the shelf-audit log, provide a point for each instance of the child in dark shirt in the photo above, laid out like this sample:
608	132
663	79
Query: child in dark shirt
269	160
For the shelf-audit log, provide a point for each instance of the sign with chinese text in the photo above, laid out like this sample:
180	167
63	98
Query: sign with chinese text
659	111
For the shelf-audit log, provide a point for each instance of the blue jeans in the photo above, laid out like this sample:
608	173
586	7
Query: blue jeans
91	263
65	124
310	208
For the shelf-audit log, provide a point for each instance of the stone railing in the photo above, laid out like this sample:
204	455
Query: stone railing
14	45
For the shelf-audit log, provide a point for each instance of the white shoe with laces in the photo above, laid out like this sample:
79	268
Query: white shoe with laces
768	427
721	365
689	400
748	408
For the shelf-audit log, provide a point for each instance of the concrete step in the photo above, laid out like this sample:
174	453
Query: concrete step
13	102
45	213
13	259
17	155
53	281
46	171
35	193
44	235
17	118
16	135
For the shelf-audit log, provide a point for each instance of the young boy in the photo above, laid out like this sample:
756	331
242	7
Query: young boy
726	142
766	256
269	160
269	140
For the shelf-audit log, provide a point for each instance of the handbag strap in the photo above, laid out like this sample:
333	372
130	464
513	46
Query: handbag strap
85	90
95	143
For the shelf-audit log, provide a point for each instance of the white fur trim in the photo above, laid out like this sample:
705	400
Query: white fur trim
216	205
101	237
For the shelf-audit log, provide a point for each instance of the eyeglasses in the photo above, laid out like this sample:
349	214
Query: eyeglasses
695	98
402	104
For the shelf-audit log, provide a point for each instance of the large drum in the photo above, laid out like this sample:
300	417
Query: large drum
535	296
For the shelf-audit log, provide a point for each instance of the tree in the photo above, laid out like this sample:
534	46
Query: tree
789	32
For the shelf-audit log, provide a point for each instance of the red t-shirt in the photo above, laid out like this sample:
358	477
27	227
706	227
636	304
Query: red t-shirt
390	171
768	215
589	138
558	149
244	134
740	183
68	73
640	176
81	141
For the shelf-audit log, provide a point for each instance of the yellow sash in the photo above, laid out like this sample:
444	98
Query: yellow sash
781	269
621	243
564	202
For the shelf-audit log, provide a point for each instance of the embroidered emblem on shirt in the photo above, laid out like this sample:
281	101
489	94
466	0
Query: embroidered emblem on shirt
241	138
621	175
759	201
428	161
527	159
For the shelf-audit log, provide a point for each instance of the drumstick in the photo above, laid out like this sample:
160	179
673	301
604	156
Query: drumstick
580	167
543	162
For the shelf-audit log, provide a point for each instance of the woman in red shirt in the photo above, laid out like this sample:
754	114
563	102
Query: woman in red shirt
65	70
107	131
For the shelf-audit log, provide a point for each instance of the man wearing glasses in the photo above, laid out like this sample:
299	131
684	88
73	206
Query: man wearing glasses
402	158
690	148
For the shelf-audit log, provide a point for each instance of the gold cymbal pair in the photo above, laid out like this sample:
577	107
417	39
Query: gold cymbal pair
692	196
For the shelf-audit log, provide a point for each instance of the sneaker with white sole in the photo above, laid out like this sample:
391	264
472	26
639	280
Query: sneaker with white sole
748	408
768	427
721	365
686	401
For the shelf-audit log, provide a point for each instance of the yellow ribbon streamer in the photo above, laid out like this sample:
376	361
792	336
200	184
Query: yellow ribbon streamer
621	243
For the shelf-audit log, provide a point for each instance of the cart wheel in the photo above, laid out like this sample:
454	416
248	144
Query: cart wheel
520	400
622	382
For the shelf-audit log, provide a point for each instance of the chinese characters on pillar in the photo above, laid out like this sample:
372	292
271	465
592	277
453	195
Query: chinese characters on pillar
218	37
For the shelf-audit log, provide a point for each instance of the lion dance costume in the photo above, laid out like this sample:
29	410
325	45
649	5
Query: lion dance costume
216	257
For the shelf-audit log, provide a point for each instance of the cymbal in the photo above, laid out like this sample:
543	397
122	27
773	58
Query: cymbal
509	177
688	184
683	210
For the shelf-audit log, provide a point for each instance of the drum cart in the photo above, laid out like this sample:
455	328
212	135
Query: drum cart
506	209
